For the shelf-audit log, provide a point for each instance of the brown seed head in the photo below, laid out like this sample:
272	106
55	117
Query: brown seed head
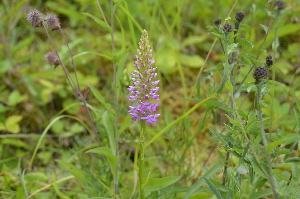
239	16
227	28
218	21
52	21
52	58
35	18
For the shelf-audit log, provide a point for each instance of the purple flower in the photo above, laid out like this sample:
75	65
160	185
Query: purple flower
144	87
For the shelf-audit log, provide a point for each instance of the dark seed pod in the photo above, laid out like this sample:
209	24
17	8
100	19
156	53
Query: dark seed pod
218	21
239	16
279	5
269	60
227	28
260	73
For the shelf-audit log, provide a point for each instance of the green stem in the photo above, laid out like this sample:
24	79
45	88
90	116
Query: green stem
265	141
273	71
142	158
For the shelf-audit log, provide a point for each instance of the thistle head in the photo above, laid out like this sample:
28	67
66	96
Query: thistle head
144	88
227	28
52	21
260	73
239	16
269	60
218	21
52	59
35	18
278	5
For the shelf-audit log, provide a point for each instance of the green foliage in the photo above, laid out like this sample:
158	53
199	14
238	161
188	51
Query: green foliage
220	134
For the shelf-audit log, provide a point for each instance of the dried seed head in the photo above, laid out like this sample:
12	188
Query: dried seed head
35	18
239	16
227	28
269	60
279	5
52	21
52	58
218	21
260	73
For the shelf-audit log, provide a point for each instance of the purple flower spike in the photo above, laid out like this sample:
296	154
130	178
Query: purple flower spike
144	89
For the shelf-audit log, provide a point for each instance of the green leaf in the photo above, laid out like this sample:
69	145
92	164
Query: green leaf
14	142
295	175
5	66
292	160
98	21
155	184
58	192
12	125
297	117
229	86
232	48
201	180
125	124
266	28
214	188
193	61
216	35
100	98
219	135
109	127
232	121
121	54
107	152
261	193
15	98
191	40
79	175
36	176
255	62
126	11
219	66
244	42
286	140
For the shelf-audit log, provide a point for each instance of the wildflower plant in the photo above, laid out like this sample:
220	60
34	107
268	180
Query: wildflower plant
143	91
36	19
144	88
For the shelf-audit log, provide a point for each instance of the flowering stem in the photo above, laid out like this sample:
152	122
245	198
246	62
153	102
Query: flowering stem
142	157
75	89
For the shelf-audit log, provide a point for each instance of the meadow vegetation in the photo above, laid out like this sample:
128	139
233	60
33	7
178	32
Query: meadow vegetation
149	99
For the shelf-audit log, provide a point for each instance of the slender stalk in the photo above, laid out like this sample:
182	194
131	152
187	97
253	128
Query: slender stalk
142	158
75	89
69	78
71	55
226	70
116	104
273	71
265	141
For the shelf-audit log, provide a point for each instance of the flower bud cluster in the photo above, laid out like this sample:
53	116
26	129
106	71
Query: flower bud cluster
144	88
